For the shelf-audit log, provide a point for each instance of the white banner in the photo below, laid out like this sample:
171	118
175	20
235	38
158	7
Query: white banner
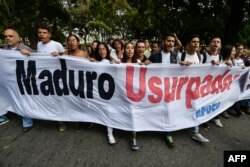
124	96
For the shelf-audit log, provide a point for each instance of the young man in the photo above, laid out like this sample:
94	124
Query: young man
46	45
139	51
12	41
188	58
240	48
155	47
166	56
212	56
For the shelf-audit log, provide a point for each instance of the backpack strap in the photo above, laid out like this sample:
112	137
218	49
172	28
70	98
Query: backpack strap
183	55
204	57
173	57
199	56
220	57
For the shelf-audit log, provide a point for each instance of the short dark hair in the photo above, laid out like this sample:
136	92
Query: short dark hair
213	37
190	37
44	26
239	44
76	37
110	39
170	35
139	41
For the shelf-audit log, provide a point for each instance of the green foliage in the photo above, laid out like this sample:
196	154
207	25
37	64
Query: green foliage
97	24
129	19
24	16
244	35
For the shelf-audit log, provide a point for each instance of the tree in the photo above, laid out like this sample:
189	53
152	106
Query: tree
24	16
130	19
234	22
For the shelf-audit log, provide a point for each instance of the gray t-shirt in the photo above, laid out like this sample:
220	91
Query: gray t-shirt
18	48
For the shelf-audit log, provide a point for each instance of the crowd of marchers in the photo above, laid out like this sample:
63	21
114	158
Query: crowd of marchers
169	51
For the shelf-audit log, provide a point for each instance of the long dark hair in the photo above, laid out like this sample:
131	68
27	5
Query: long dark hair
117	40
124	58
226	52
92	51
97	55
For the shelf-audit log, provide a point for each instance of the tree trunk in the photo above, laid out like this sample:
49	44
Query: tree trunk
234	22
25	19
31	33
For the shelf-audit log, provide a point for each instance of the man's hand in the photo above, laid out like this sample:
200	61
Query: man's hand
185	63
25	52
92	59
147	62
228	63
215	62
54	54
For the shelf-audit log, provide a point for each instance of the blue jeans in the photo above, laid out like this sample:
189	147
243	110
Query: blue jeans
27	122
169	133
245	103
195	129
3	118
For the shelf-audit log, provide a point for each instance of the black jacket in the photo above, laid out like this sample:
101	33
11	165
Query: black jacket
157	57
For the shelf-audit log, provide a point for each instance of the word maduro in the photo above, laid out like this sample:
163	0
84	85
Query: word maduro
194	87
61	81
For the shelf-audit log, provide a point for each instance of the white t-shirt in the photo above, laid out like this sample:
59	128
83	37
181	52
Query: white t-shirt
194	59
105	61
165	58
50	47
113	55
209	58
238	62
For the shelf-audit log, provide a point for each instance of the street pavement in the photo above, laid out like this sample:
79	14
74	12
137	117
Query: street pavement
45	146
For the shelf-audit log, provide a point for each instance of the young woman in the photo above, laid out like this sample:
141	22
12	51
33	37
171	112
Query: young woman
117	53
102	55
92	49
230	59
228	53
129	57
